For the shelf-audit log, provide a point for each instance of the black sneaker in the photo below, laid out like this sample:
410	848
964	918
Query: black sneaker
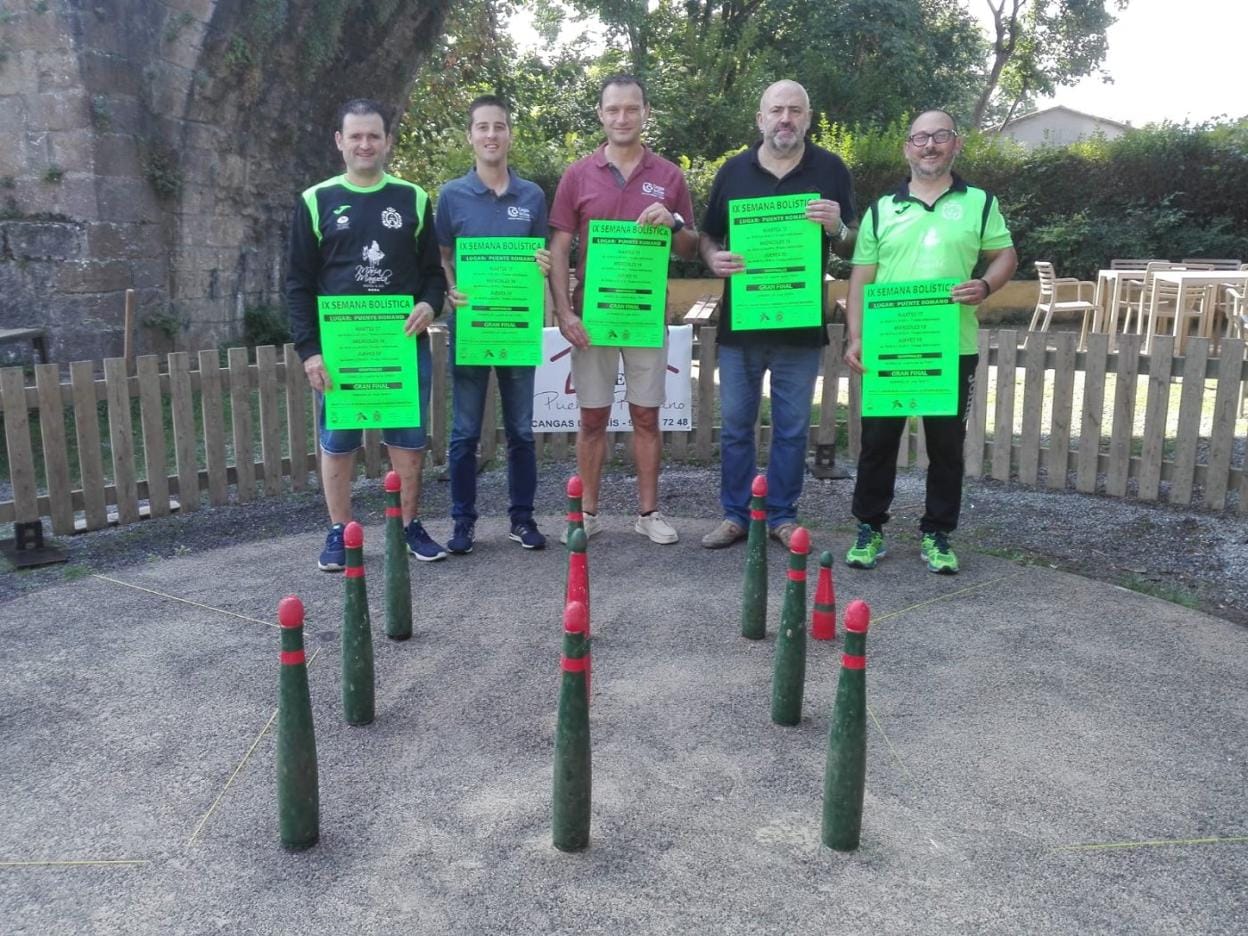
420	544
526	533
461	540
334	555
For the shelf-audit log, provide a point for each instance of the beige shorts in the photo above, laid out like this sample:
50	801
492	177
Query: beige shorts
596	370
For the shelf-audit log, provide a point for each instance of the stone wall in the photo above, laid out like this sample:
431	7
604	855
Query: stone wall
159	146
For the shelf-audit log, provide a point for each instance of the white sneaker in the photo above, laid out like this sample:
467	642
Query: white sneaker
593	526
656	527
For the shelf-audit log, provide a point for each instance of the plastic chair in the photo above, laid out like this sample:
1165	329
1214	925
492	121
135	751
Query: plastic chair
1129	264
1139	303
1048	302
1207	263
1168	304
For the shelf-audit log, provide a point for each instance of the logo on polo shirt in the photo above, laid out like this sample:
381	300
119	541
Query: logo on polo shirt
952	211
391	219
650	188
516	213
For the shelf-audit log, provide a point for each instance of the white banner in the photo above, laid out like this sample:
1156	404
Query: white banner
554	398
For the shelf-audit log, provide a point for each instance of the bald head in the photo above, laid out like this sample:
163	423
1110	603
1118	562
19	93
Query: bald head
785	86
784	118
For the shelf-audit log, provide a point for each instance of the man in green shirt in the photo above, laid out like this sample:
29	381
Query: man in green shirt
933	226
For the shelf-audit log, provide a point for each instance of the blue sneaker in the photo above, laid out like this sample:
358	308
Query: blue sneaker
334	555
461	540
420	544
526	533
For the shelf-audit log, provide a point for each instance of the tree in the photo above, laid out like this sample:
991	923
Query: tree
1041	45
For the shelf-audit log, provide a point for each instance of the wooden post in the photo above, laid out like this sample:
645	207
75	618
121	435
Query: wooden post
128	330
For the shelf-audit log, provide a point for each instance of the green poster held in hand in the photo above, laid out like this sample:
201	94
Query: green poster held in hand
910	349
626	284
782	283
502	322
371	363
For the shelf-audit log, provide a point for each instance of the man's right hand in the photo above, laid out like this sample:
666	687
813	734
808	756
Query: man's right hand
853	355
573	329
458	299
725	263
318	376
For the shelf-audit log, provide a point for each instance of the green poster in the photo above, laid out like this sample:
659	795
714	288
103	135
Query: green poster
502	322
910	349
626	284
782	283
371	363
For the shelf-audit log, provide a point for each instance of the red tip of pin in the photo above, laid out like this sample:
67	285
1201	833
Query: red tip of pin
575	488
759	488
353	536
575	617
393	482
290	611
857	617
799	542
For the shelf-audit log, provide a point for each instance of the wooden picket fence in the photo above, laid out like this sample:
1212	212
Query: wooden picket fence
230	434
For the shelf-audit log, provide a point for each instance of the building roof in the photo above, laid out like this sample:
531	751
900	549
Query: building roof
1059	108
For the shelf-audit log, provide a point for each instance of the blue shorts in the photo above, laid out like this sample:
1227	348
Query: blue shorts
347	441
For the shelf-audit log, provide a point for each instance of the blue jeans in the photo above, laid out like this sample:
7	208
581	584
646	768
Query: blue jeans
515	386
793	372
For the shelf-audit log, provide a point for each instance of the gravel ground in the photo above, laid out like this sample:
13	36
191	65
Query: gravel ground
1197	558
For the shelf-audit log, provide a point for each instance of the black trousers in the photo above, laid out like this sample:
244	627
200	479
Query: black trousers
945	437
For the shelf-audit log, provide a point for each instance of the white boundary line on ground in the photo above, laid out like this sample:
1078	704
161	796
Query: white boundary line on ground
196	604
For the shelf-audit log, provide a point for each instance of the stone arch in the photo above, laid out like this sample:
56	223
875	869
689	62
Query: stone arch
159	146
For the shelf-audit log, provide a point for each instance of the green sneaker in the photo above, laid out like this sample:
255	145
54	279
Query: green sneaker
869	549
937	554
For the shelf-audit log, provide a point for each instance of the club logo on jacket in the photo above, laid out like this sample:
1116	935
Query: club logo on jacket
517	213
650	188
369	274
391	219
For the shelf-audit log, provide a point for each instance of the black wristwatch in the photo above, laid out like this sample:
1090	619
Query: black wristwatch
677	222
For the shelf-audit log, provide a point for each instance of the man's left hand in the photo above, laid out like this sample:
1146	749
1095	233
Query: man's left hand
656	214
543	260
419	320
825	212
970	292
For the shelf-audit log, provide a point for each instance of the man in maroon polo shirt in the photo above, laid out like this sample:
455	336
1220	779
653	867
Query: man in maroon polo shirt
621	181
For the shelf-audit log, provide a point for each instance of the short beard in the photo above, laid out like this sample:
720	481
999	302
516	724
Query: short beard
918	170
777	148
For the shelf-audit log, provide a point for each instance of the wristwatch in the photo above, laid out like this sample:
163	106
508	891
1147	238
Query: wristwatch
677	222
843	232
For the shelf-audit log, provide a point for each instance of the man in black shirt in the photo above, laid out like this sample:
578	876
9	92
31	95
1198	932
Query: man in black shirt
365	233
782	163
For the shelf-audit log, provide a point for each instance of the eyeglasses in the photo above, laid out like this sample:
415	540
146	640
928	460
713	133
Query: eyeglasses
940	136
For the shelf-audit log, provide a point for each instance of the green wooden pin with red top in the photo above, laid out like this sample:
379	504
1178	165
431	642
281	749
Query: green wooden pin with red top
788	680
844	779
398	571
357	637
754	599
572	786
298	789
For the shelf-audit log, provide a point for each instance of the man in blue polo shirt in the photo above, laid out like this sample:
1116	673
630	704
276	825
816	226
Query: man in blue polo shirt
490	201
783	162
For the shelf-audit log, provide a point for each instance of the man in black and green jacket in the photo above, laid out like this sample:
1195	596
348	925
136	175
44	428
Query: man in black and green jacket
365	233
